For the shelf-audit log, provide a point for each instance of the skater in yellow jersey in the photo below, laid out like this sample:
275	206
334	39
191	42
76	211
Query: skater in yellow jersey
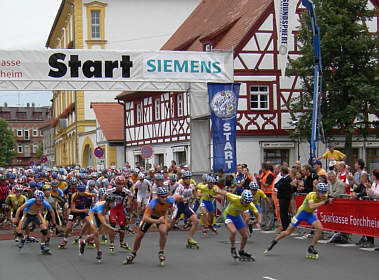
305	213
234	222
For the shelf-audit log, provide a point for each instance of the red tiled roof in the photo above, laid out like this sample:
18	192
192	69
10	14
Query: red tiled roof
110	116
228	19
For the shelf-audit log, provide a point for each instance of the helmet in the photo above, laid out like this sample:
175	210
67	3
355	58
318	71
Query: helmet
80	187
46	187
162	191
55	183
94	175
40	185
39	195
83	175
19	188
102	191
174	177
36	176
91	183
54	175
322	187
73	181
247	196
205	177
109	174
2	177
253	186
211	179
83	170
141	175
12	176
105	183
187	174
120	180
159	177
32	184
110	198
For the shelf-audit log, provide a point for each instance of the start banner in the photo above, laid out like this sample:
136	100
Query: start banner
349	216
104	66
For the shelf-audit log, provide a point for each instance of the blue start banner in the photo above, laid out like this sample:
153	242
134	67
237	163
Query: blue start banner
223	102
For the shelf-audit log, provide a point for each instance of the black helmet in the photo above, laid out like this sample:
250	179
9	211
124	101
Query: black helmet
110	198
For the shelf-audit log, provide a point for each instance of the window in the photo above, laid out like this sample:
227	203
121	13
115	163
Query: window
37	115
276	156
5	115
19	132
159	159
180	157
26	134
157	109
259	95
27	150
35	132
372	159
21	115
35	148
95	25
19	148
139	113
180	105
138	158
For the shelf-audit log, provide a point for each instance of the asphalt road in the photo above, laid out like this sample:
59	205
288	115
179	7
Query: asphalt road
212	261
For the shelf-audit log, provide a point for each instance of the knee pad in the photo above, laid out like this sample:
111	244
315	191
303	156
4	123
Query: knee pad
122	227
44	232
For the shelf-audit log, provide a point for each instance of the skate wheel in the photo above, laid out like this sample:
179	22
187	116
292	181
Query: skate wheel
99	261
162	264
265	252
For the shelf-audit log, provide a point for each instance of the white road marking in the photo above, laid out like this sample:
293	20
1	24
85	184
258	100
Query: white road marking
268	278
269	231
368	249
346	245
323	241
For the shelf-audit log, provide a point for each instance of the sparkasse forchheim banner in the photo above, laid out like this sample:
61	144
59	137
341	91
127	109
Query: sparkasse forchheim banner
72	65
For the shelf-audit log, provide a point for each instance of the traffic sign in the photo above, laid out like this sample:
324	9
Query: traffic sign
99	152
146	151
43	159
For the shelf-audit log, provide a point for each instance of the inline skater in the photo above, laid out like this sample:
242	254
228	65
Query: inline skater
312	201
155	213
32	210
234	222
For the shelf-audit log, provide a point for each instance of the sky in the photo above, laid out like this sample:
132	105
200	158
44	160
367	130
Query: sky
25	25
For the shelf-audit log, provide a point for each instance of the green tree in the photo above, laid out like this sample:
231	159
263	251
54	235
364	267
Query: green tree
350	71
7	144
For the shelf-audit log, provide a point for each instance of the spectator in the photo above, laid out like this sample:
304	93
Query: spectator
266	182
335	186
373	189
221	178
284	195
310	177
359	166
317	165
359	191
343	174
277	173
333	154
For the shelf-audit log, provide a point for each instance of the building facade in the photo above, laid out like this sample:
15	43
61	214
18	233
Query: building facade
26	122
116	24
48	140
248	28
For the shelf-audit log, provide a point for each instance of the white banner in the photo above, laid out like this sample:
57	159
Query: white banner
52	68
285	16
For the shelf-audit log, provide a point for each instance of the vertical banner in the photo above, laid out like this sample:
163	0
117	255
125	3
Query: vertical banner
285	16
223	102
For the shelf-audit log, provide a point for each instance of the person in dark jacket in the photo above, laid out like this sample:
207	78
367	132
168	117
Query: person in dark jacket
284	195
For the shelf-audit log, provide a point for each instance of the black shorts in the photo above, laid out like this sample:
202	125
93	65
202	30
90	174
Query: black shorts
57	217
2	202
73	216
144	227
35	219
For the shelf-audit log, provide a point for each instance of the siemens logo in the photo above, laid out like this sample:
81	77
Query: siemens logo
186	66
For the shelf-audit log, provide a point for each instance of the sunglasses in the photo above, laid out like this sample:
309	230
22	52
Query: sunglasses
163	196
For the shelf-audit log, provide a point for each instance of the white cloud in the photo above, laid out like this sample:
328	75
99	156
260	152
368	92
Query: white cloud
26	24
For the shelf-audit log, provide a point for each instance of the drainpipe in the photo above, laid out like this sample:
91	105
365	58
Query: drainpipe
124	132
